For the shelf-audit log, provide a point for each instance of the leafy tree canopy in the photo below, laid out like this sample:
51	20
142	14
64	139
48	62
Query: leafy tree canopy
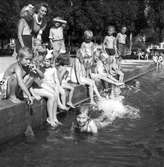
86	14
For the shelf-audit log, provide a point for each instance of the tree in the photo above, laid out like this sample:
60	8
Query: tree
80	14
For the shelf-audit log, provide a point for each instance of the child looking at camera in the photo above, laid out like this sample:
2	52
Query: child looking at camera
85	124
86	50
56	37
121	41
109	44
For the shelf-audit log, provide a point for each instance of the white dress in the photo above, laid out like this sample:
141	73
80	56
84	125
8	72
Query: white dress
50	80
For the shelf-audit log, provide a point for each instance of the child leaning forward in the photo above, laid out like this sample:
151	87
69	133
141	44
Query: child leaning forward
84	79
18	74
101	72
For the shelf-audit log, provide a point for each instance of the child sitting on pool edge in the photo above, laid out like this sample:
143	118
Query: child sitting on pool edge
85	124
18	74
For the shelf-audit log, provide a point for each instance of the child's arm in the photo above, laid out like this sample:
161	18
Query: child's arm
102	122
104	43
51	36
64	74
64	25
20	31
21	83
83	49
115	46
42	29
39	72
117	38
105	123
93	127
111	69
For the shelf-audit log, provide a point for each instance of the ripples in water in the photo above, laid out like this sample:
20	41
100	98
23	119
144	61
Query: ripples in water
125	143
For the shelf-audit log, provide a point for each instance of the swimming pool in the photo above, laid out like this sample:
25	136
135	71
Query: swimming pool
125	143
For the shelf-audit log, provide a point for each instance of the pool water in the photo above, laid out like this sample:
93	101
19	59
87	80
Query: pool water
125	143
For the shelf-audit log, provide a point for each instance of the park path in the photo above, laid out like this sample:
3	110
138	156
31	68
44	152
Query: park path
5	62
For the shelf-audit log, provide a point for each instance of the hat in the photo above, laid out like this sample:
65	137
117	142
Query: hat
60	20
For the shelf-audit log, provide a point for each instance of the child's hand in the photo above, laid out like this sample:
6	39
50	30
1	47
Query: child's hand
30	100
39	37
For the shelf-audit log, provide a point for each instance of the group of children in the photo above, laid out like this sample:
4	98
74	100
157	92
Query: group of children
38	74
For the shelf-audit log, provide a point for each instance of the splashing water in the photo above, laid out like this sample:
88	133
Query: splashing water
114	108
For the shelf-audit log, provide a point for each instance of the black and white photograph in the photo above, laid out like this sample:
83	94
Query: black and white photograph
81	83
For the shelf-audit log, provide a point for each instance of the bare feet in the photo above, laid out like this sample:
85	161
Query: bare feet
64	107
14	99
100	97
37	97
53	124
120	83
58	122
70	104
93	102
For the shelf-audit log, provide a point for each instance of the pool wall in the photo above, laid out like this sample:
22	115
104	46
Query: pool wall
15	117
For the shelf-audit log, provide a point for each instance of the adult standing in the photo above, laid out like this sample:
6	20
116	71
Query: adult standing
25	28
39	21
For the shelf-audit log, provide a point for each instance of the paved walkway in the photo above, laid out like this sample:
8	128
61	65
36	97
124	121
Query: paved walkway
5	62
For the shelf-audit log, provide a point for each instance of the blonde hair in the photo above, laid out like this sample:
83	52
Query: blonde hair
88	34
25	10
84	109
23	52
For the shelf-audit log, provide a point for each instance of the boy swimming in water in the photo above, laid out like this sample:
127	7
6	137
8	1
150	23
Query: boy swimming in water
85	124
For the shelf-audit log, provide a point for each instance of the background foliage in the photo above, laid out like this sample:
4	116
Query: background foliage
90	14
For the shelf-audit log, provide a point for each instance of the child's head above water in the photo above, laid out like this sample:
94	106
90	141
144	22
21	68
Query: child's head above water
88	35
82	118
24	56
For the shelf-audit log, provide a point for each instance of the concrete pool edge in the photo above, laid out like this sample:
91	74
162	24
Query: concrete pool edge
14	117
